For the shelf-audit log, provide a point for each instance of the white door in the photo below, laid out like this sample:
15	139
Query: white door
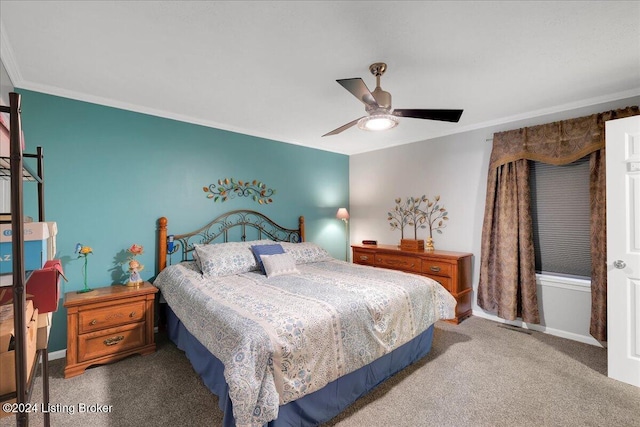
623	248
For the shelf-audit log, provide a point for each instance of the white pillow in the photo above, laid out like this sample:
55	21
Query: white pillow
223	259
279	265
305	252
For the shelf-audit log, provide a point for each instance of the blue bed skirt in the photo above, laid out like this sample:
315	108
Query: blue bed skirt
314	408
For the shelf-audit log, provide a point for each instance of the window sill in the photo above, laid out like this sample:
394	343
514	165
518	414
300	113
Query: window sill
571	283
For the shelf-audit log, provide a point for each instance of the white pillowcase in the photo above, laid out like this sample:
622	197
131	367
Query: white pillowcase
305	252
224	259
279	265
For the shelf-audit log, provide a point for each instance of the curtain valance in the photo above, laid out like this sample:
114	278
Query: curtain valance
557	143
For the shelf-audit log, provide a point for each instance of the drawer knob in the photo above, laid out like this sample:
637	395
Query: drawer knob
93	322
132	314
364	257
434	268
114	340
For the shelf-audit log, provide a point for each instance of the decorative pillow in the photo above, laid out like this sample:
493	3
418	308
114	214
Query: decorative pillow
305	252
279	265
233	260
259	250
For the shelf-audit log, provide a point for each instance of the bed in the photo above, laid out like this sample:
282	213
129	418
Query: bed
281	332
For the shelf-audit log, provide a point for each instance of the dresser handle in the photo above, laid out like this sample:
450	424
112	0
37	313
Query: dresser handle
114	340
93	322
363	257
434	268
132	314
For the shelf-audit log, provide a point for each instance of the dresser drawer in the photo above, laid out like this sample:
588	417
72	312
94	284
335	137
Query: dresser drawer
444	281
110	341
398	262
110	316
365	258
437	268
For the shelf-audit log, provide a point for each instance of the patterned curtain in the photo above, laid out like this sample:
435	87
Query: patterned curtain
505	266
598	225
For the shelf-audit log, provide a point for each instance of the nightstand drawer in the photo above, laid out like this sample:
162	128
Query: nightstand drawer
110	341
108	317
365	258
436	268
398	262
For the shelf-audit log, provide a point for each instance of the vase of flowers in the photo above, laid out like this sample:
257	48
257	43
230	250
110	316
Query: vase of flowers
84	252
134	266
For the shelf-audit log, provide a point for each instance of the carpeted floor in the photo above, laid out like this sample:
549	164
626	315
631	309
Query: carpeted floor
479	373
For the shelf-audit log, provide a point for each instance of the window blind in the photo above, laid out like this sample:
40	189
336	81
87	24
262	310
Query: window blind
560	209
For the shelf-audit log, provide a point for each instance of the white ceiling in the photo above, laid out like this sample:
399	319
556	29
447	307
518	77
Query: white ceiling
269	68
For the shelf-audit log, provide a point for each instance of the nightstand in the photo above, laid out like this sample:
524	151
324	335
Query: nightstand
108	324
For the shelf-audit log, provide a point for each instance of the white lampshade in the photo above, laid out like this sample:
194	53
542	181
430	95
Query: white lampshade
342	214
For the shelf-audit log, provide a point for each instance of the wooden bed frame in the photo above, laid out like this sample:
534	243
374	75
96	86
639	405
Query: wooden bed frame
219	228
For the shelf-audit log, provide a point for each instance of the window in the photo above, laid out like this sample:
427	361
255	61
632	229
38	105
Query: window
560	209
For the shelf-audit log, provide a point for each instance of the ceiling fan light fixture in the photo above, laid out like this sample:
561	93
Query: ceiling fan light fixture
378	122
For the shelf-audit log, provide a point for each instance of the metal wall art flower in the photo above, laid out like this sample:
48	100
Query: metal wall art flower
229	188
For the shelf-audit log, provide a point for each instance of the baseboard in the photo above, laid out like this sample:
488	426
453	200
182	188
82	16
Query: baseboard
587	339
60	354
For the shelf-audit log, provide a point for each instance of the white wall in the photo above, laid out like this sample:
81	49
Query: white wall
455	167
5	87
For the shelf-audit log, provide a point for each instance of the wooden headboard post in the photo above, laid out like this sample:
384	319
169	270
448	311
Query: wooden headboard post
162	244
301	227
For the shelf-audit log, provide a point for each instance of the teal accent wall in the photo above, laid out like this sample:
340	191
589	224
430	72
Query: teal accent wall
111	173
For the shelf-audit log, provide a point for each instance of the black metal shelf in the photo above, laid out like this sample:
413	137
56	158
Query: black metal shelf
14	169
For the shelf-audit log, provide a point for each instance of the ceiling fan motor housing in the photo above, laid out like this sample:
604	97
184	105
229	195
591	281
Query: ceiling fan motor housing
382	97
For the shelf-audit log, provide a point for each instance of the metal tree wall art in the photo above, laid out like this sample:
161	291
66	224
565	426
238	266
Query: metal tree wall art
409	212
229	188
399	217
417	217
435	215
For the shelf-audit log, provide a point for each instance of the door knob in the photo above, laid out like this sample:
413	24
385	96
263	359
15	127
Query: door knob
619	264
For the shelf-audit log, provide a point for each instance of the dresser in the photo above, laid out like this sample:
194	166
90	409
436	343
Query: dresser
108	324
451	269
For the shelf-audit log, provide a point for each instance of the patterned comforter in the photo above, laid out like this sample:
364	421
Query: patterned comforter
283	337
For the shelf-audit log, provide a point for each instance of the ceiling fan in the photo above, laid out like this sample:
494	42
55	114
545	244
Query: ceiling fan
378	106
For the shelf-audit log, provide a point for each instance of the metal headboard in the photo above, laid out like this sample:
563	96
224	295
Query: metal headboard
218	230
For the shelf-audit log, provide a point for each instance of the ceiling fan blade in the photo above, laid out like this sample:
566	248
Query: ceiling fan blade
343	127
360	90
443	115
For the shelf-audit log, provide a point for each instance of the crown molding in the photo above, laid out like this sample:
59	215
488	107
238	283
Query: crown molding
8	59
